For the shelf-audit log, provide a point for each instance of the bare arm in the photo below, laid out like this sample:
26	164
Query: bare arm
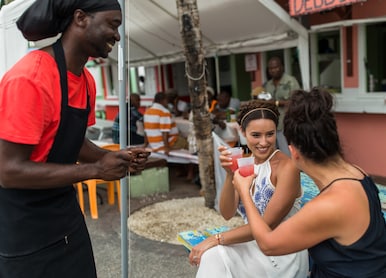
229	198
237	235
165	139
18	171
90	152
318	220
286	178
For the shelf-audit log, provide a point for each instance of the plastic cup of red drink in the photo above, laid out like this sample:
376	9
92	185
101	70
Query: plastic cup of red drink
246	166
235	154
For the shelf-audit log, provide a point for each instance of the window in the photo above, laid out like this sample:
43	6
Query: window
329	61
376	57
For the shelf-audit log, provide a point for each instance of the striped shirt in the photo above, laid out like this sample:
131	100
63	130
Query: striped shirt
158	119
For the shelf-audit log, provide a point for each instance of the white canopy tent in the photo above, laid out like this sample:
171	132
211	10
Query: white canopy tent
227	26
12	43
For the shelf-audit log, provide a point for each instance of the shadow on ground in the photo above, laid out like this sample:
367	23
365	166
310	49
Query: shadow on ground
147	258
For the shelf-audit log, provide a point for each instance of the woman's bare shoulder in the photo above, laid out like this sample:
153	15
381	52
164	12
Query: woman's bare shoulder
283	166
282	160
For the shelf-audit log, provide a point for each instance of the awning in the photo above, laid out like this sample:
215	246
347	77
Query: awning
227	27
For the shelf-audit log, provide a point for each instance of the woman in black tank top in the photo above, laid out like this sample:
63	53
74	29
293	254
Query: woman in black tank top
343	227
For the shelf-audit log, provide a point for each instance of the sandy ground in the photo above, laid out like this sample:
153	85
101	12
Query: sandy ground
164	220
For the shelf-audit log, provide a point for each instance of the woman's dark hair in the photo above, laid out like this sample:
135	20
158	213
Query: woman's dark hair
254	110
310	126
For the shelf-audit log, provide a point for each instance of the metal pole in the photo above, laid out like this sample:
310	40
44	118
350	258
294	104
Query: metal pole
217	69
123	118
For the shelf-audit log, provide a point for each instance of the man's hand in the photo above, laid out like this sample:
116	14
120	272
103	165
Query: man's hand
114	165
140	156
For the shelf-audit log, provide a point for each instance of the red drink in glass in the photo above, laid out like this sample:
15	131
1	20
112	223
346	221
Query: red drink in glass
246	170
234	165
235	153
246	166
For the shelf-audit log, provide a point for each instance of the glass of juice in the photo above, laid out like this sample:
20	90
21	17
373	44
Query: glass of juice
246	165
235	154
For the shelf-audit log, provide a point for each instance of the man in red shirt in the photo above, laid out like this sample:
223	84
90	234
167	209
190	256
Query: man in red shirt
47	101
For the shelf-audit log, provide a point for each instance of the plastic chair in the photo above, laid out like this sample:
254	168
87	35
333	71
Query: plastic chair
79	188
92	189
110	185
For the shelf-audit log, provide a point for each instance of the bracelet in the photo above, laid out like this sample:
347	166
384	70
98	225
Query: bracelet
277	103
220	239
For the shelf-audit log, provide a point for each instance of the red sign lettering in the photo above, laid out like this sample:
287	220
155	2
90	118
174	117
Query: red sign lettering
299	7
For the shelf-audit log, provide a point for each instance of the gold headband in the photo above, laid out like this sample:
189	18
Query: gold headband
256	109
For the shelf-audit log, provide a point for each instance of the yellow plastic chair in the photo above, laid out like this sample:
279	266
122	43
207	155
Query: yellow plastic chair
79	188
92	189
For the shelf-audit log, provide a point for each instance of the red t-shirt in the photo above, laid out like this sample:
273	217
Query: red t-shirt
30	101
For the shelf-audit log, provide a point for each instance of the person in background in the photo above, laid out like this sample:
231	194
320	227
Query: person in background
276	193
324	47
226	107
161	130
177	106
115	129
225	102
136	123
280	86
43	230
212	102
141	85
215	117
343	226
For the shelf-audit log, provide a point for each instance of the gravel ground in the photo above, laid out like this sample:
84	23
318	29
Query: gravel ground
163	220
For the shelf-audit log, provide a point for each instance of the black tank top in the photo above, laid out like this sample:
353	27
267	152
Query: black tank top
31	219
366	258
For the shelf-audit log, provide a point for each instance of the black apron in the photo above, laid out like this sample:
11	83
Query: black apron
42	231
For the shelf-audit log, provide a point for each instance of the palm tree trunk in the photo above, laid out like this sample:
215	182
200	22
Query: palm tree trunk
195	72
